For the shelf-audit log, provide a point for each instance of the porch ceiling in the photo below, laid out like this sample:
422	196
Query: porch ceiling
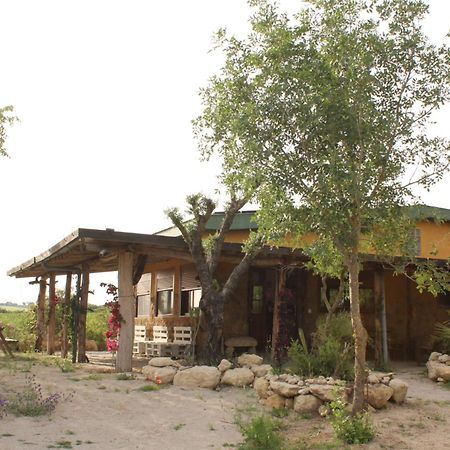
100	249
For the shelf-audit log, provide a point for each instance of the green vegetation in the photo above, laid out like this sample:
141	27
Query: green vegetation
441	336
356	429
149	388
125	376
261	433
331	351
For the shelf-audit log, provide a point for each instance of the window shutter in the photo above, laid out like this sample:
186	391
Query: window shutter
164	280
189	278
143	287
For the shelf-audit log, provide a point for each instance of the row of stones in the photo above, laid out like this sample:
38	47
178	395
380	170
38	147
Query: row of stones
438	367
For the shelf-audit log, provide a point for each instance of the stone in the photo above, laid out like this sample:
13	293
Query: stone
325	392
438	370
284	389
378	395
444	358
261	386
434	356
289	403
224	365
304	391
373	379
247	359
261	370
162	361
440	380
275	401
306	403
400	390
160	375
385	380
198	376
239	342
238	377
324	410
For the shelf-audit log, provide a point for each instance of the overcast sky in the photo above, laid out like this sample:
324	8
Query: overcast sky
106	91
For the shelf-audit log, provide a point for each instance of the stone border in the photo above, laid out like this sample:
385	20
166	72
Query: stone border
438	367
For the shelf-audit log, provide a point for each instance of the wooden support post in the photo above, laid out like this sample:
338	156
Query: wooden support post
82	315
276	324
51	323
127	310
65	316
40	313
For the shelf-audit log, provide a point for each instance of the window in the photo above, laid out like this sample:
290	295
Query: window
143	305
191	292
257	299
164	292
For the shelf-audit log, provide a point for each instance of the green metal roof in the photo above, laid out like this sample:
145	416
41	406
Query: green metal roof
242	221
425	212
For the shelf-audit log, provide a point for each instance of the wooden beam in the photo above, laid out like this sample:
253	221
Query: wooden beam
66	315
127	310
51	323
40	321
82	315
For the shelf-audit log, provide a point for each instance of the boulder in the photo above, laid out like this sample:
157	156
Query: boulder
378	395
238	377
306	403
438	370
284	389
373	379
444	358
434	356
400	390
275	401
247	359
224	365
261	370
160	375
325	392
289	403
261	386
162	361
198	376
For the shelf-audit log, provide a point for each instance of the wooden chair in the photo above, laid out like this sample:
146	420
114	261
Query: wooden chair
140	340
159	345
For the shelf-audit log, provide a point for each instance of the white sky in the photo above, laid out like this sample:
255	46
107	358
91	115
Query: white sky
106	91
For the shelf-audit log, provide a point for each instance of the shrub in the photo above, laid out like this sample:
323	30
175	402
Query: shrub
355	429
331	351
261	434
441	336
97	325
20	324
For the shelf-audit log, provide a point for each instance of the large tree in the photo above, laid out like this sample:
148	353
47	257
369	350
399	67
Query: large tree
327	112
206	250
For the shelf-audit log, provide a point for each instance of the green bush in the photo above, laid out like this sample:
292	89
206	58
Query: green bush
20	324
441	336
331	352
261	433
97	325
351	429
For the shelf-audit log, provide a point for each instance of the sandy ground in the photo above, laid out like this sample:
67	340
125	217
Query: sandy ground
106	413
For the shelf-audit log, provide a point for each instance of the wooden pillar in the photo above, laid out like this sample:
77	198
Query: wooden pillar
40	315
127	309
381	342
276	324
177	291
82	314
51	323
65	316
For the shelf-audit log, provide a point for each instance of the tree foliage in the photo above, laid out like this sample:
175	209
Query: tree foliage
327	113
6	118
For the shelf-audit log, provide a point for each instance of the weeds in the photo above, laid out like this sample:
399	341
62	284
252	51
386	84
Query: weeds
125	376
280	413
261	433
149	388
65	365
179	426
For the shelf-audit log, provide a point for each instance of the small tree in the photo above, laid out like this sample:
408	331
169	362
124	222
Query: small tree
206	251
328	113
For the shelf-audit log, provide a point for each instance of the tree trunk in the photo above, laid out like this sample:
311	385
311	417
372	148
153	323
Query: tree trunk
40	313
359	332
82	315
213	308
65	318
51	316
276	353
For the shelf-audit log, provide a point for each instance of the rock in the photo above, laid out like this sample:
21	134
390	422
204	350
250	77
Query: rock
306	403
240	341
224	365
325	392
448	363
238	377
438	370
160	375
162	361
373	379
301	383
434	356
261	386
385	380
289	403
261	370
400	390
247	359
198	376
444	358
440	380
284	389
304	391
378	395
275	401
324	410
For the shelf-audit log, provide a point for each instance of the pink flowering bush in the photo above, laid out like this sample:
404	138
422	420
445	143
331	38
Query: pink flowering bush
115	320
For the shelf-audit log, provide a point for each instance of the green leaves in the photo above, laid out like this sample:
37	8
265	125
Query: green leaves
6	118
